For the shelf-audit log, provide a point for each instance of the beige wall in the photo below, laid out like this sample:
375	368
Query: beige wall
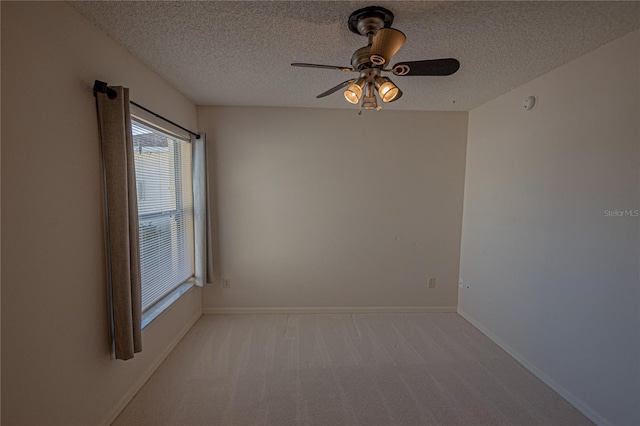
325	208
56	368
552	277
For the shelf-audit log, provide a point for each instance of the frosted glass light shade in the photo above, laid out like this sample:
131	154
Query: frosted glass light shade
369	102
387	90
354	92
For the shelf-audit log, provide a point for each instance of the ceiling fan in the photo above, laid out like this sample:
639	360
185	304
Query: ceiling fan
374	22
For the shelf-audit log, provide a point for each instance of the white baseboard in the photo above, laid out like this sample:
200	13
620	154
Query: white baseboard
329	310
128	396
571	399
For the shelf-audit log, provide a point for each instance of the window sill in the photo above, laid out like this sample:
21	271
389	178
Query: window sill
164	303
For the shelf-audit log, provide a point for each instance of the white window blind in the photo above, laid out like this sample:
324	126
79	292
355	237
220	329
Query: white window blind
165	209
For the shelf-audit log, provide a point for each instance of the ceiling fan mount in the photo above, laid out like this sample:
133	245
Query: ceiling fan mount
383	42
369	20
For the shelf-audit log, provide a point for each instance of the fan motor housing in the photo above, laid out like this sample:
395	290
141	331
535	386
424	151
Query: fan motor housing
361	58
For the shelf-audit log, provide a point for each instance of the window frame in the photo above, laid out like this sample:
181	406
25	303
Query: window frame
140	116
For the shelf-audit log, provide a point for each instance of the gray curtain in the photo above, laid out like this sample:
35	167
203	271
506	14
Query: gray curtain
123	251
201	212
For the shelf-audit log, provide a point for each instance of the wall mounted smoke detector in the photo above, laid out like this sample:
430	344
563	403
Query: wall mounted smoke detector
528	103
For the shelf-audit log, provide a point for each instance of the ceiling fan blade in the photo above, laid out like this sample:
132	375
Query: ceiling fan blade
386	43
327	67
446	66
336	88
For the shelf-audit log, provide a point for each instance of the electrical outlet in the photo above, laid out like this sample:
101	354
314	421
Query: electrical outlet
467	286
460	283
226	283
432	283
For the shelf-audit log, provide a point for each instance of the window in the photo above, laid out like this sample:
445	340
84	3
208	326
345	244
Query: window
165	209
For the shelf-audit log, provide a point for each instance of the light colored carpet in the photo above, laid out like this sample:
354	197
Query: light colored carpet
360	369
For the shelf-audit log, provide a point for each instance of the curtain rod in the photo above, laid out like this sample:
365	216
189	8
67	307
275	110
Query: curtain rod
101	86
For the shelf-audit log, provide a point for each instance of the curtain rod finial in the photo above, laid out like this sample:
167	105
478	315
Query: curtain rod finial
101	86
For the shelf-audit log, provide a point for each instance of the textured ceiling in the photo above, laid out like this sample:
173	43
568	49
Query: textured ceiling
239	52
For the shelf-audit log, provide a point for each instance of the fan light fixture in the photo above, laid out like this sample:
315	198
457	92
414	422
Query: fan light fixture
387	90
